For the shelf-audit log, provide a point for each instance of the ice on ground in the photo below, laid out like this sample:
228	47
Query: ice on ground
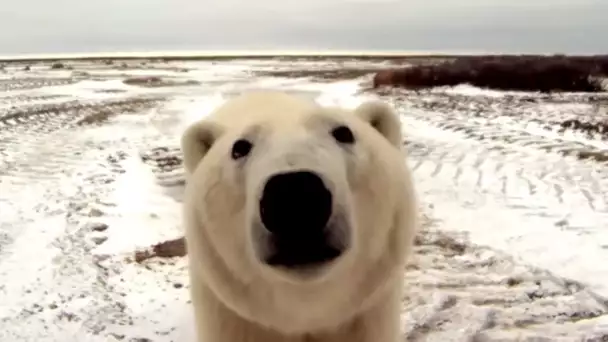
67	270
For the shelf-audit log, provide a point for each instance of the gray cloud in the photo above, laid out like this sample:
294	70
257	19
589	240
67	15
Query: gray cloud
39	26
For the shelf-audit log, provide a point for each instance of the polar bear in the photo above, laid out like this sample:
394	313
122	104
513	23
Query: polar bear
299	219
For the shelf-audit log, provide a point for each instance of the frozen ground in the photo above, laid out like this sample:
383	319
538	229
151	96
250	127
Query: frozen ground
512	249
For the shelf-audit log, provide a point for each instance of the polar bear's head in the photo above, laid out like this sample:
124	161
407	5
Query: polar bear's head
294	206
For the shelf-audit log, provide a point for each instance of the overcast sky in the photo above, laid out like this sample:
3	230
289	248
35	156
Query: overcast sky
51	26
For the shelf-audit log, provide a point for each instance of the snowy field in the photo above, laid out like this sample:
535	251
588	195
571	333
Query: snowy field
516	208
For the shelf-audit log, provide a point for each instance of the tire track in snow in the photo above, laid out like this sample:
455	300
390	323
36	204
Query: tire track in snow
513	189
28	83
460	292
59	167
39	152
512	153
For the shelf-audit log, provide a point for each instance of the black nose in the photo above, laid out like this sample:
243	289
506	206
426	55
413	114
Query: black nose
295	205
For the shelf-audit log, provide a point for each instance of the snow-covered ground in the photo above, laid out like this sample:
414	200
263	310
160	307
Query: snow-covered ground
78	196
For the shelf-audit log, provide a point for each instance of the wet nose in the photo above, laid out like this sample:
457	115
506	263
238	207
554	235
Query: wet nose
296	206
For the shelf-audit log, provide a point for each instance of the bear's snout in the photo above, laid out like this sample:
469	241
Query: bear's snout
295	205
295	209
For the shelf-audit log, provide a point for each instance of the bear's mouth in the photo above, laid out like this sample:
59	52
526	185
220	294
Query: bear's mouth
295	210
292	254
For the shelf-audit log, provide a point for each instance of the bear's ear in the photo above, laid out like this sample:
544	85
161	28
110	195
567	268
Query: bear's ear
383	119
196	142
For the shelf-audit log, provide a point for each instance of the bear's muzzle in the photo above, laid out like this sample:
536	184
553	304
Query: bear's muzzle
296	210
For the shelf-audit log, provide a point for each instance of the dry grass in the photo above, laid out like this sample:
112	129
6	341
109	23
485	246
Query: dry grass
330	74
155	81
58	65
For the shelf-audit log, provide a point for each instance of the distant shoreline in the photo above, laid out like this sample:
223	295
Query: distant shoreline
248	54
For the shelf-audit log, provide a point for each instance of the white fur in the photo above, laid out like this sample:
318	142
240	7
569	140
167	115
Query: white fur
236	298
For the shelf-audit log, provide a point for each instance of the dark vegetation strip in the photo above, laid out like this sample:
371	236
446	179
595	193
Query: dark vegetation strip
523	73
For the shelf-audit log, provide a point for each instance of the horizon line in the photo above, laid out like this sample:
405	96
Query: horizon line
209	54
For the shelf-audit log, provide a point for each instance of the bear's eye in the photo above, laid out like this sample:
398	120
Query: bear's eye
241	148
343	135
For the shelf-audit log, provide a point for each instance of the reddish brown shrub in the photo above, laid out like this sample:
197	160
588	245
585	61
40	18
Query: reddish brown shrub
526	73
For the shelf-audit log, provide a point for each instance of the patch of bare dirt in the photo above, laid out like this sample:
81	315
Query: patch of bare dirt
155	81
110	91
166	249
